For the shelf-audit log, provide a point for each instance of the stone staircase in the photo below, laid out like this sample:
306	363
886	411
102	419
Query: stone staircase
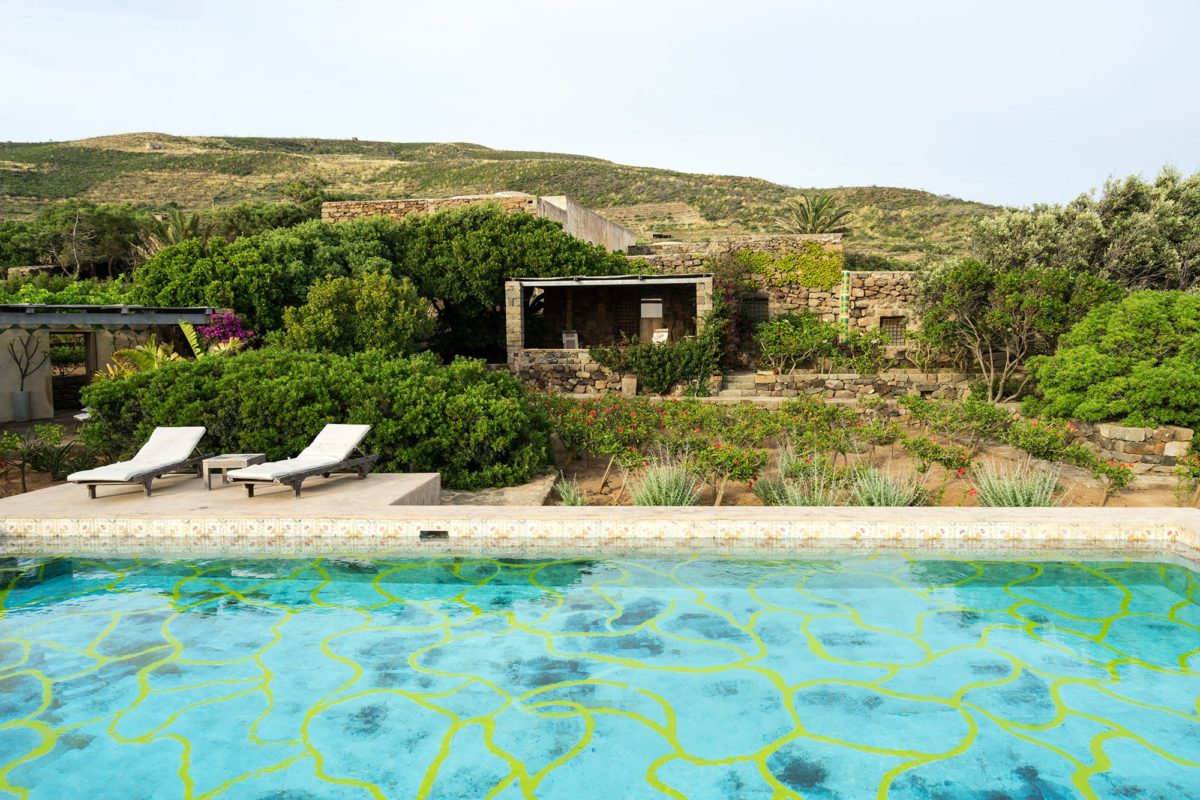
737	384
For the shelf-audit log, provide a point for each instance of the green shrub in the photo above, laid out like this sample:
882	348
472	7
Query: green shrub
475	426
43	448
971	421
665	484
873	487
1136	360
349	315
862	351
796	340
991	320
1022	486
776	492
62	290
928	452
1188	468
661	367
723	462
1054	441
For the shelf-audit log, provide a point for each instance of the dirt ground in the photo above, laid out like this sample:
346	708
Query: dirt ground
11	484
947	489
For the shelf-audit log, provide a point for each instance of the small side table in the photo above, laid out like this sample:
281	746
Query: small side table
227	461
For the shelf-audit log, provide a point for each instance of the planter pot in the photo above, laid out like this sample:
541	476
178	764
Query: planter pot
20	405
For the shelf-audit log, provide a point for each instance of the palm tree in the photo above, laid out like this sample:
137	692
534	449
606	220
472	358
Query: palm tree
814	213
172	228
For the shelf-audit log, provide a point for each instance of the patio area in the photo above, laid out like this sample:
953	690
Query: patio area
184	497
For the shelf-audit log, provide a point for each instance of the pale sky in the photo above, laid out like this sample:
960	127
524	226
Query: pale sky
1007	102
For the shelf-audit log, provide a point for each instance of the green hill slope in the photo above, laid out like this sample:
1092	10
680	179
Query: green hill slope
155	170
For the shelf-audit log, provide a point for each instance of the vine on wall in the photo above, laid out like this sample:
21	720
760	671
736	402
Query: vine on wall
814	266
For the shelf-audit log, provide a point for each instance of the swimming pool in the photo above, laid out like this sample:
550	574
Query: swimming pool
700	677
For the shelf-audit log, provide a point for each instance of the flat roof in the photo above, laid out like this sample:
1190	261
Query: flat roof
39	315
613	280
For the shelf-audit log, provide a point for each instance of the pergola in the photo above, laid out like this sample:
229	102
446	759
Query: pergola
103	330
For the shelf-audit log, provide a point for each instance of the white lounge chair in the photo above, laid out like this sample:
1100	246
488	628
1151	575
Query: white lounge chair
167	450
332	451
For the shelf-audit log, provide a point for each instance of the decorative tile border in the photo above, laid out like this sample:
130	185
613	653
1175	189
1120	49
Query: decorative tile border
781	532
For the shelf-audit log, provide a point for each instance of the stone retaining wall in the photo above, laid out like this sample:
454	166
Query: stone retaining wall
580	222
848	386
342	210
565	371
1148	449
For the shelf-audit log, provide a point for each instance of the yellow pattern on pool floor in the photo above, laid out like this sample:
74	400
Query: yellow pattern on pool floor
703	677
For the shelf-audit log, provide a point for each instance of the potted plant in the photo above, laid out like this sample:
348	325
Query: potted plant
29	358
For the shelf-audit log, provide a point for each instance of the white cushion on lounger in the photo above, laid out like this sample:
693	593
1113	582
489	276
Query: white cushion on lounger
166	446
333	444
270	470
336	442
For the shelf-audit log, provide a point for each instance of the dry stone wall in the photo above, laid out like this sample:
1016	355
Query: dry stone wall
1148	449
872	295
564	371
342	210
852	385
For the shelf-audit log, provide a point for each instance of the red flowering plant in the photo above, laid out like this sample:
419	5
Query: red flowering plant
721	462
611	425
1188	467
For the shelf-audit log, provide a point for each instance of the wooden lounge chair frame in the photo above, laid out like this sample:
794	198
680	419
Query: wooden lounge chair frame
192	464
360	463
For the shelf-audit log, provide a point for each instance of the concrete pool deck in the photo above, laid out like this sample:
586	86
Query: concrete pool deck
184	496
384	513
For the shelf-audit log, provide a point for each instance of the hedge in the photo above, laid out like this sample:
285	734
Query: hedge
1136	360
475	426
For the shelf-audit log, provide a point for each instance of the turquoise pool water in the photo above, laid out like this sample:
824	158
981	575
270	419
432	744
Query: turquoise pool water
573	678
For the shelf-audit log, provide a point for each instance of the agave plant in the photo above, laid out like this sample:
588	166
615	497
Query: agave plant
814	213
876	488
1020	486
665	483
570	493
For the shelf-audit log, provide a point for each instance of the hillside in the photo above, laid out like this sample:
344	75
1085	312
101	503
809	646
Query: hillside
156	170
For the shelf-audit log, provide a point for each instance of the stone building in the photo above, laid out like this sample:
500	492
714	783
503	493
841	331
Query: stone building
580	222
862	301
551	322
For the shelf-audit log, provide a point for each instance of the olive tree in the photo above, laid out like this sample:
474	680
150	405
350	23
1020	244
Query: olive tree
1138	234
991	320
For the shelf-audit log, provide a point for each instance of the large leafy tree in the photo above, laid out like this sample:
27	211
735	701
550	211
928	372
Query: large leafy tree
991	320
348	315
1136	360
82	238
457	259
814	213
1139	234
